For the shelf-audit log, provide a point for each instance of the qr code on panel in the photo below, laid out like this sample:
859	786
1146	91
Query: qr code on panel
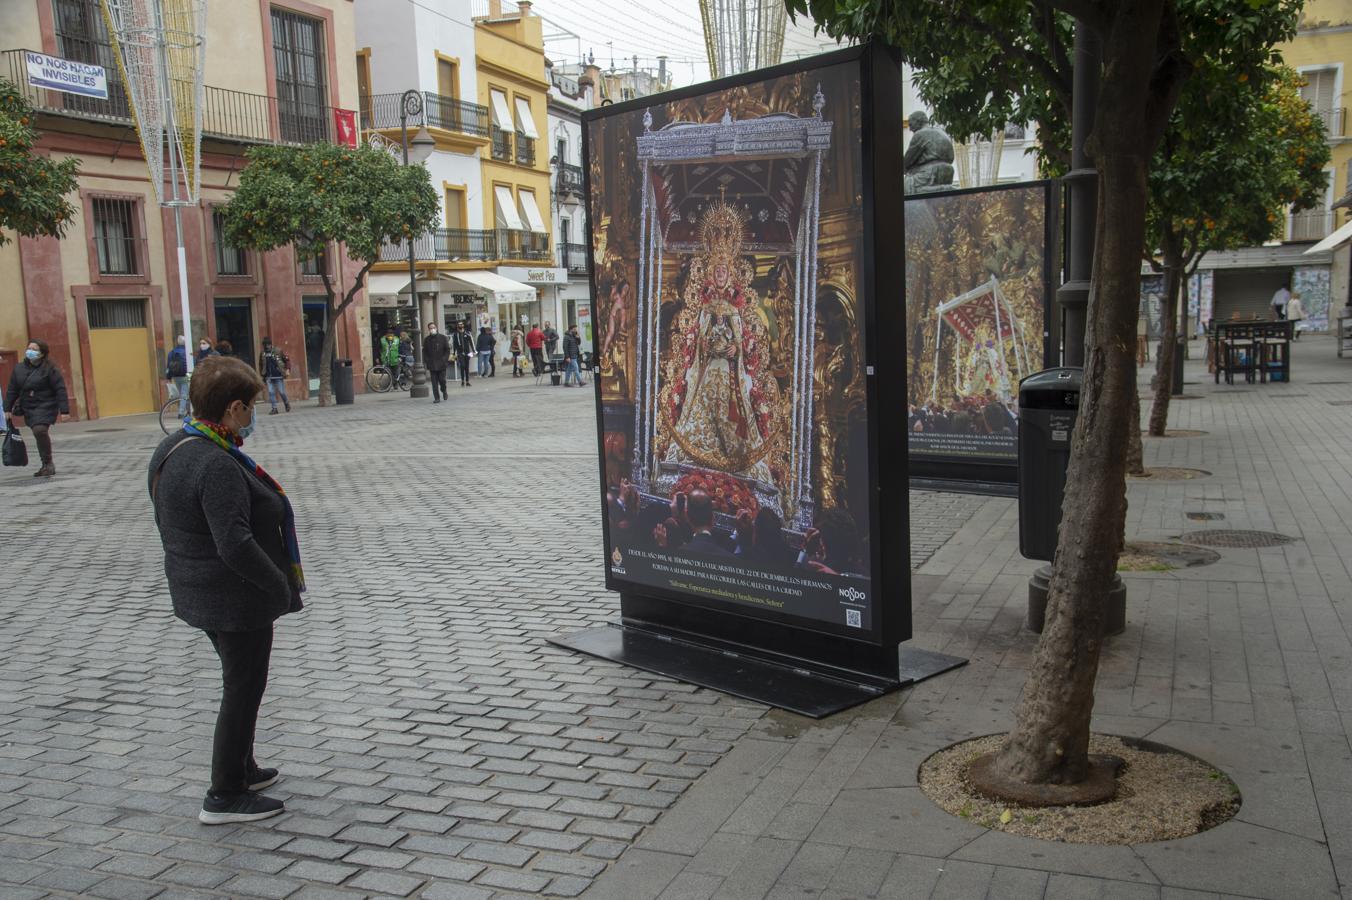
853	618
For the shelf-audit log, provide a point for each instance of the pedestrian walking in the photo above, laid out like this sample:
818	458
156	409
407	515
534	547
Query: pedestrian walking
436	356
232	562
176	373
37	392
204	349
463	345
225	348
484	345
274	366
535	340
1142	339
572	357
551	341
1295	311
517	347
1280	298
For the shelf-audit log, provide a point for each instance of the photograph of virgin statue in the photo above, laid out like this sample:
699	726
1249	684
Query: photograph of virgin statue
726	237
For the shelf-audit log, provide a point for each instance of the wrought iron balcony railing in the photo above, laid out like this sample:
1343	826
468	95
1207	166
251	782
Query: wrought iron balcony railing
569	179
1311	225
226	115
502	143
525	150
573	257
473	245
382	111
1334	119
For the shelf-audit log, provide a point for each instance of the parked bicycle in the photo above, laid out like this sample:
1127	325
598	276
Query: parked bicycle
170	419
381	379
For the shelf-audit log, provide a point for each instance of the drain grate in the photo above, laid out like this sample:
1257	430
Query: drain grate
1331	382
1222	537
1339	402
1205	516
102	430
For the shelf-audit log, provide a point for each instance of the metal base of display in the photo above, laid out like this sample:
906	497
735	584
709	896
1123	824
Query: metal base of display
800	690
964	486
917	664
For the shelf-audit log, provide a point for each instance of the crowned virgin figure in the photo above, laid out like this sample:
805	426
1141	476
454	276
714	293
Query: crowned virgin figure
719	398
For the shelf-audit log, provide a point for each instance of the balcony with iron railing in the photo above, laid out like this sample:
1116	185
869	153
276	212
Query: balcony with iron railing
569	180
380	111
226	115
473	245
1311	225
501	143
573	257
525	150
1334	119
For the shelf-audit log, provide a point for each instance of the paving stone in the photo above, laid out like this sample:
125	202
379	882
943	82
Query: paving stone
269	886
314	870
386	883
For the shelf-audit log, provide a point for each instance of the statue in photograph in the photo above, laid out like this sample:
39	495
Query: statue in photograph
928	164
719	397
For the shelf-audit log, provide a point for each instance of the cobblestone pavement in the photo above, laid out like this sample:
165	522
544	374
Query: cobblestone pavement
431	743
1246	663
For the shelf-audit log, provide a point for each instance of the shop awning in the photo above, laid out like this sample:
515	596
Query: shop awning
1333	241
491	284
386	284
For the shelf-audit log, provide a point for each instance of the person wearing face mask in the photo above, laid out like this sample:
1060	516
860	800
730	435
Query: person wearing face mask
232	562
38	393
437	357
204	349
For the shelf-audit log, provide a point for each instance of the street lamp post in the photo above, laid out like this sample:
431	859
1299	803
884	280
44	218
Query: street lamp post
411	106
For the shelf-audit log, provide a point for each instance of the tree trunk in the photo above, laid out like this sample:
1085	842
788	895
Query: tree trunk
1049	743
1164	359
1135	452
326	353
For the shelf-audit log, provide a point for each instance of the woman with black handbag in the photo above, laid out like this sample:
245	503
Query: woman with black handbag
38	393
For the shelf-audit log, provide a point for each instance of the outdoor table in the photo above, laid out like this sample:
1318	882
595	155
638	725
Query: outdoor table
1260	350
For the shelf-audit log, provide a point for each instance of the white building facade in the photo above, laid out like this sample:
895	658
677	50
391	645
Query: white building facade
569	96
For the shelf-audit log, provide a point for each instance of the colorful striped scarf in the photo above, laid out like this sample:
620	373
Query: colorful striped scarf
212	433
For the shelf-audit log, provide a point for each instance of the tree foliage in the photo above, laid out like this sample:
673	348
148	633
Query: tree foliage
321	195
33	188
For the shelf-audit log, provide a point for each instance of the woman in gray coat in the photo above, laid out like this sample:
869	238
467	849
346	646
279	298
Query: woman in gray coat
233	567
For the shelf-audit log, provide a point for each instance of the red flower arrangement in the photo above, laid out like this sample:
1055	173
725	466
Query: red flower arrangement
730	495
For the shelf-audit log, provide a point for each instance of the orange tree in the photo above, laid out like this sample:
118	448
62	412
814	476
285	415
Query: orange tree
33	188
323	195
987	59
1219	182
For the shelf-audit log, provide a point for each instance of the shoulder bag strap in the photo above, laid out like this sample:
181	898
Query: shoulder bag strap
155	482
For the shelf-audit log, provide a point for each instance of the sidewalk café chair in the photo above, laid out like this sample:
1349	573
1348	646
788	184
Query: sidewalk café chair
1241	352
1274	341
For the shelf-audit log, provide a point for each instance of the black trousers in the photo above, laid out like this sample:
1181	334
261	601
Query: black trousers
438	377
463	360
43	438
244	675
537	361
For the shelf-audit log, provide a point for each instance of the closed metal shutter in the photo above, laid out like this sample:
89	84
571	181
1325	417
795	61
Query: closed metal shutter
1248	292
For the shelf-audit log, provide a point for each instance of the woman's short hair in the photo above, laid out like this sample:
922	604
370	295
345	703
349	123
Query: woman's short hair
219	381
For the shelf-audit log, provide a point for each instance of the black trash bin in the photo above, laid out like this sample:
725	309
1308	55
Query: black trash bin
342	381
1048	404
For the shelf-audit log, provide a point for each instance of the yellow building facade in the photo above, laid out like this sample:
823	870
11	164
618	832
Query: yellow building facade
510	58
